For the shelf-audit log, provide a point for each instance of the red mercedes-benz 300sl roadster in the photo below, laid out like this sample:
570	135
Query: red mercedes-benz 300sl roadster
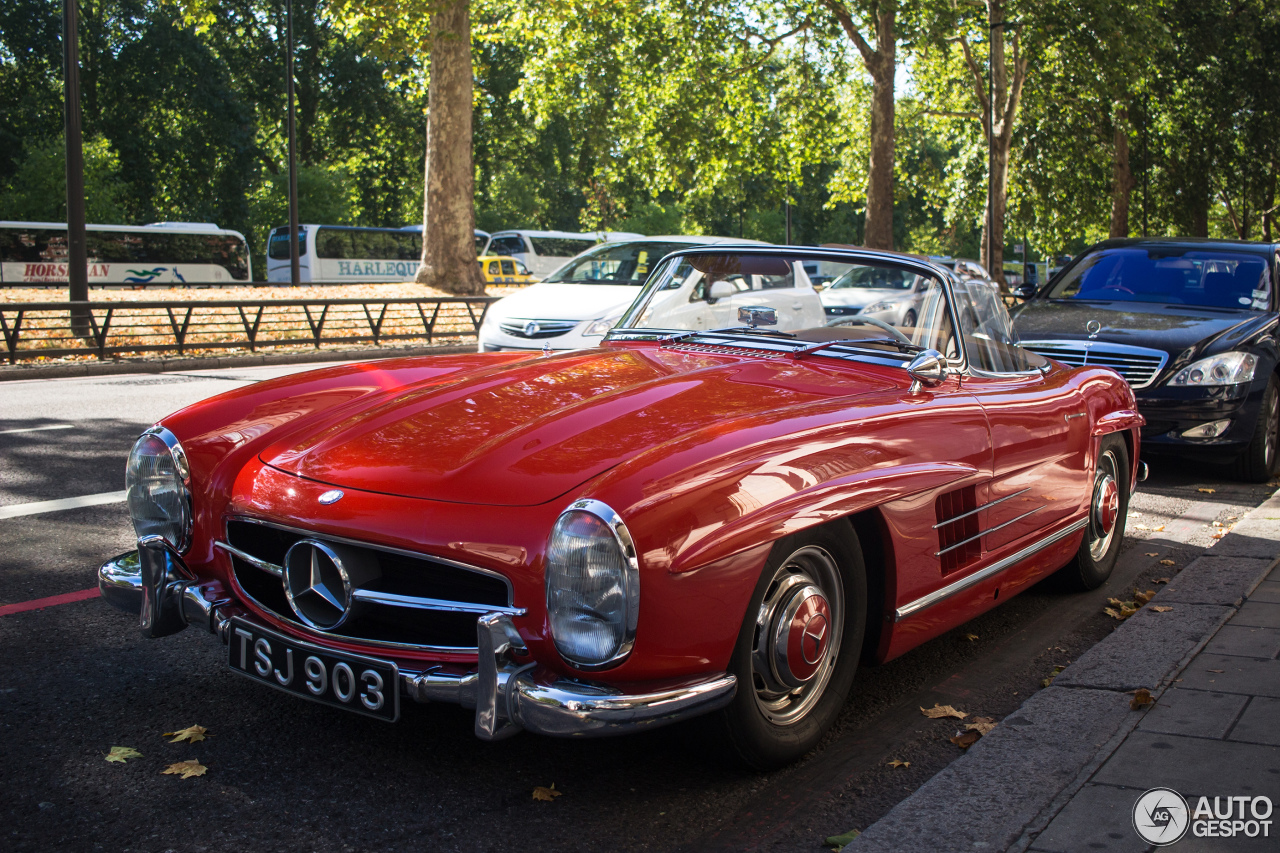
705	514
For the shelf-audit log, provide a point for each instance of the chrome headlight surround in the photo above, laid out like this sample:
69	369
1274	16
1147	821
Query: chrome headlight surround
1229	368
878	307
158	488
600	328
593	586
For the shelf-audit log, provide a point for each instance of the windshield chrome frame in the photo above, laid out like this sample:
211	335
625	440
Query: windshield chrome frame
866	257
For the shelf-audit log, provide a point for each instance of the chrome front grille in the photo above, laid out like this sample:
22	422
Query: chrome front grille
415	601
537	329
1138	365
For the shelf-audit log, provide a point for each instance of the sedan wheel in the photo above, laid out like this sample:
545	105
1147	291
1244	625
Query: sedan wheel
798	648
1258	462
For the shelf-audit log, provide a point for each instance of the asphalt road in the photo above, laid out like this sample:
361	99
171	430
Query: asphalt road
76	679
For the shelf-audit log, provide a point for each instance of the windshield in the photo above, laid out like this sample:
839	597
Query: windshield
615	263
1171	275
877	278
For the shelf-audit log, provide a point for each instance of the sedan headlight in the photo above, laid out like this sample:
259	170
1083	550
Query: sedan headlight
593	586
601	327
877	307
158	488
1232	368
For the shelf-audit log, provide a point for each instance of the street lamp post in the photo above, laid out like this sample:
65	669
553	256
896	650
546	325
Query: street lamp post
294	272
77	249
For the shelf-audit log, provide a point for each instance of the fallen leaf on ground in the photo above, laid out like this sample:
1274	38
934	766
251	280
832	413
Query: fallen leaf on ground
971	637
1161	580
1160	608
1120	609
1156	554
1141	699
191	734
981	725
896	763
1217	670
1157	529
1143	597
838	841
1207	491
964	740
546	795
1218	535
185	769
1045	682
118	754
1168	562
937	712
1217	524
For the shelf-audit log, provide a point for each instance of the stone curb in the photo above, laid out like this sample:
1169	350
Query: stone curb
12	373
1007	787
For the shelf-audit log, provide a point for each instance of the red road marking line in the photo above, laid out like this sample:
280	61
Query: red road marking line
51	601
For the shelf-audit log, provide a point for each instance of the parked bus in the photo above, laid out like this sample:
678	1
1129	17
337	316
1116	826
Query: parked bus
35	253
334	253
545	251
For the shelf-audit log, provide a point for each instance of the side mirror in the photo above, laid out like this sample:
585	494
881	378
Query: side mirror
928	369
720	290
757	315
1026	290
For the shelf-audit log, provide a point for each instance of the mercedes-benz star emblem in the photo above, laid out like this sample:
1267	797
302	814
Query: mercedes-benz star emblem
531	328
1093	327
815	631
316	584
331	497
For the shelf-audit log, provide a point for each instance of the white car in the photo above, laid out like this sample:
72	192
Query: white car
545	251
577	304
884	293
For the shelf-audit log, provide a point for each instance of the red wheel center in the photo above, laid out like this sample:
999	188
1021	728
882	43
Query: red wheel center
1107	505
808	637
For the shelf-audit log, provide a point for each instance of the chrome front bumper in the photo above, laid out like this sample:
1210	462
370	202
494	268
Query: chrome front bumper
508	697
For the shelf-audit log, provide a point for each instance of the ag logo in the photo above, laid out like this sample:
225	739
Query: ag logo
1160	816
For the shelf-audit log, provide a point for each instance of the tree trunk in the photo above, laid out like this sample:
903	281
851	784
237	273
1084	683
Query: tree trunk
1122	181
879	226
881	63
1269	205
448	232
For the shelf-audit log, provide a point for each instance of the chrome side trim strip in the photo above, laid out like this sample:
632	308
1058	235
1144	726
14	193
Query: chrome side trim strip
270	568
964	583
988	530
981	508
392	599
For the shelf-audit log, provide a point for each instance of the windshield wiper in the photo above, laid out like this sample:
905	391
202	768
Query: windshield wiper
857	344
684	336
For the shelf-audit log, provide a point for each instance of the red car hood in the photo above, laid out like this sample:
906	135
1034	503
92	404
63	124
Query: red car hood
526	433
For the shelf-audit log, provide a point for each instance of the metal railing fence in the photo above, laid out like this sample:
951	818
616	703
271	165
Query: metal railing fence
109	329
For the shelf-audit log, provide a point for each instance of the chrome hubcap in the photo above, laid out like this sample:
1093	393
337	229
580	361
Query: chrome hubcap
1105	505
797	635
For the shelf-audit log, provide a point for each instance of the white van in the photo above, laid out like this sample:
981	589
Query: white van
576	305
543	251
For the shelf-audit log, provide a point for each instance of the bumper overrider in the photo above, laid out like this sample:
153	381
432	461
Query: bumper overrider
154	583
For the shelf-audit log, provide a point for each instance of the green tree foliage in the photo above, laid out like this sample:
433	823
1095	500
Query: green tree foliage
39	185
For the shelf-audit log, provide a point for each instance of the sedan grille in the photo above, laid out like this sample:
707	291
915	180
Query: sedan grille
415	601
1138	365
537	329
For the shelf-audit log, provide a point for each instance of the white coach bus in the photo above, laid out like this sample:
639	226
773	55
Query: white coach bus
35	253
336	253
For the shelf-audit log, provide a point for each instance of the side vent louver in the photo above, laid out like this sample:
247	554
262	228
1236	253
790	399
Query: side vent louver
958	540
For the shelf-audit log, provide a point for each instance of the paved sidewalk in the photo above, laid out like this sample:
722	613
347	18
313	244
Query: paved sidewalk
1064	772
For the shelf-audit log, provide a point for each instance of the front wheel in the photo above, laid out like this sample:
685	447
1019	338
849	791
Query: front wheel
798	648
1108	508
1258	462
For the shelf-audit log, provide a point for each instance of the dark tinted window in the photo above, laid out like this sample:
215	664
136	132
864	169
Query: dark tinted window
508	244
278	244
615	263
368	244
560	247
1170	275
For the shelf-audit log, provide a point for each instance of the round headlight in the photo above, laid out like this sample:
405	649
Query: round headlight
593	586
158	488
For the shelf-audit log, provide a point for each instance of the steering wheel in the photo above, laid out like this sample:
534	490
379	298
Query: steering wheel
870	321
